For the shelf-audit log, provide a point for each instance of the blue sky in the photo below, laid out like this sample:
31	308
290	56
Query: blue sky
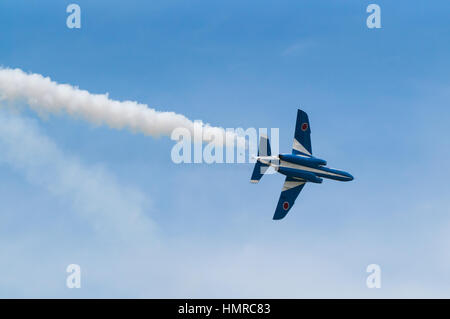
141	226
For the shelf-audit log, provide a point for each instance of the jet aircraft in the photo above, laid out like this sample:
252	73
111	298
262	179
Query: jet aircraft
299	167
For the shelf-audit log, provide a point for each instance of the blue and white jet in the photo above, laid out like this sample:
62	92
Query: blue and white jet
300	167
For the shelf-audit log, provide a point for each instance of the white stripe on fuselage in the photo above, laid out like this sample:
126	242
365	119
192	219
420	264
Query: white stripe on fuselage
308	169
269	160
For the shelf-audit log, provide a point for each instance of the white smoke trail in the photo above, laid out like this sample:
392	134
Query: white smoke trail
44	95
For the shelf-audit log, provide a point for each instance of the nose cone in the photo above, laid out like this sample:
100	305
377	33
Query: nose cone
349	176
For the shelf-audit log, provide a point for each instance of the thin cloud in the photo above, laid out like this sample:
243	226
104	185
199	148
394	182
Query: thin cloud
95	194
298	48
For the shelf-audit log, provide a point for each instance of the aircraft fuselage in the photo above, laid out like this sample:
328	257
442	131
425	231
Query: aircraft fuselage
310	169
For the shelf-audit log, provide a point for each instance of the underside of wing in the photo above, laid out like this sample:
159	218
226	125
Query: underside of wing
302	136
291	188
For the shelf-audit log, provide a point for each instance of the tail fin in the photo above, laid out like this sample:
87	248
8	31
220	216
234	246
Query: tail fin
264	146
261	168
302	136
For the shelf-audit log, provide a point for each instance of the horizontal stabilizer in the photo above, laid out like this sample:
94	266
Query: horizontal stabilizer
258	172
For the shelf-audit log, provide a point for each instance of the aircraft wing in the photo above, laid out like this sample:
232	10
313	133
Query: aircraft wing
302	136
291	188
